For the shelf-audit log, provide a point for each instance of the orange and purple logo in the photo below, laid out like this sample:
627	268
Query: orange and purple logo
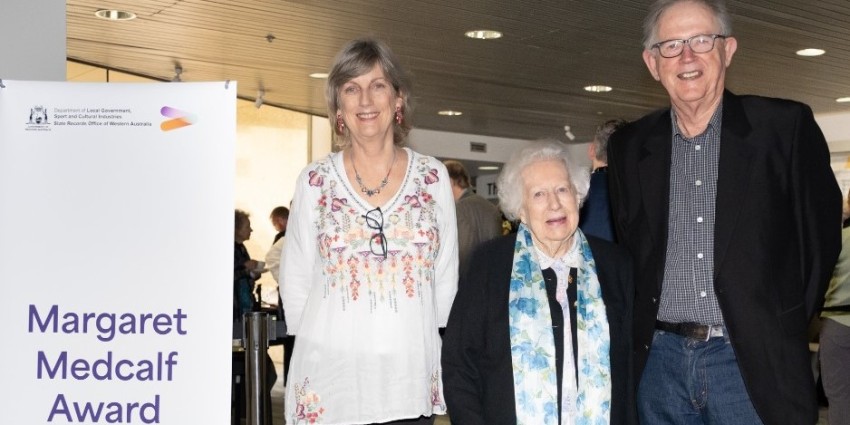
178	118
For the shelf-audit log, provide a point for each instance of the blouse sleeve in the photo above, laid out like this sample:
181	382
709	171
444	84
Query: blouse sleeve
446	273
300	253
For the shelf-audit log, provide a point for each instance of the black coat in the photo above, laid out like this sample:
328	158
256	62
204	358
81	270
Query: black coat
777	236
476	358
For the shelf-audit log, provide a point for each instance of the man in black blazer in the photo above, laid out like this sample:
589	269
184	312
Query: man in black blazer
732	215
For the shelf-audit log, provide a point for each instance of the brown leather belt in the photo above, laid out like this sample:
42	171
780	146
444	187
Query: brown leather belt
691	330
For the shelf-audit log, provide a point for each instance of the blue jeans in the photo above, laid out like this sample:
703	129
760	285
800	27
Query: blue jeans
688	381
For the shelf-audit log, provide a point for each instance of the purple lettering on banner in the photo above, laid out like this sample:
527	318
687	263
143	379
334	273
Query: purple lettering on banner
112	412
107	325
108	368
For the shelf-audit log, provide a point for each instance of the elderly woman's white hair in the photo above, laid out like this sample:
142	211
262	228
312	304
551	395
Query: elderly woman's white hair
510	182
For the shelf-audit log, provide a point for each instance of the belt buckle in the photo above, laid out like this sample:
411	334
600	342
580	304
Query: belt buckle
713	330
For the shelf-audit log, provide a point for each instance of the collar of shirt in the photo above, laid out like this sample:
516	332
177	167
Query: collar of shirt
570	259
714	122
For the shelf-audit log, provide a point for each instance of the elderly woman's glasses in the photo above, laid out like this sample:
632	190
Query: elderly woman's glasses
701	43
378	242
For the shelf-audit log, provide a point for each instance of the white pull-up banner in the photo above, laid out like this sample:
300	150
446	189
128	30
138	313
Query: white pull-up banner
116	233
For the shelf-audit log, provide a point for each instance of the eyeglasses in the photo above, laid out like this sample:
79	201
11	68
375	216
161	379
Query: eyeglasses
378	242
701	43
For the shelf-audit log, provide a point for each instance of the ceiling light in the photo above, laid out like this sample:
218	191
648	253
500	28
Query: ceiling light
450	113
843	100
115	15
811	52
488	168
319	75
598	89
484	34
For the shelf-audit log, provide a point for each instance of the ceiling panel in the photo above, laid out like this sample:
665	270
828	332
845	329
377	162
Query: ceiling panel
525	85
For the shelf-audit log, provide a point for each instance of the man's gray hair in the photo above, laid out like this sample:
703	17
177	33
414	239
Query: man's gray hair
650	24
510	181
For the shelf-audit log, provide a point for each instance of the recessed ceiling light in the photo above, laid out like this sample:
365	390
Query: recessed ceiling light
319	75
598	89
488	168
115	15
843	99
811	52
450	113
484	34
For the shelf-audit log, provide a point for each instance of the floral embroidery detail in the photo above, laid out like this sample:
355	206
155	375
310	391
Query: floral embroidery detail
431	177
315	178
355	284
436	391
412	200
307	408
410	231
337	203
407	266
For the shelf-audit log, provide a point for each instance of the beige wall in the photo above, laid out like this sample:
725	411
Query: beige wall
271	150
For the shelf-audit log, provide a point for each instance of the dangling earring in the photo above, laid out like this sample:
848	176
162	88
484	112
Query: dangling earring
399	116
340	124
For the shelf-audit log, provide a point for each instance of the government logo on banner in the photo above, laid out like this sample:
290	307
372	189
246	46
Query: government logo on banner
38	119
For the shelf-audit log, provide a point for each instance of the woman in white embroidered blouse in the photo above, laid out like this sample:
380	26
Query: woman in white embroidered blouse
369	269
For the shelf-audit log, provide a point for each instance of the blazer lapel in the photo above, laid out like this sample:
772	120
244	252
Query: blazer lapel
654	172
734	169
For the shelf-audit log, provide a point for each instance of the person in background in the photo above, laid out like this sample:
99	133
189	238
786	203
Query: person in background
595	217
478	220
245	274
834	351
245	270
540	331
731	212
279	218
369	267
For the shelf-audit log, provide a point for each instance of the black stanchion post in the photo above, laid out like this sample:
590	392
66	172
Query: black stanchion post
256	343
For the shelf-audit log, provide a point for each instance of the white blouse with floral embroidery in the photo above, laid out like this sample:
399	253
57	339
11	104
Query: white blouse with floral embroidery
367	348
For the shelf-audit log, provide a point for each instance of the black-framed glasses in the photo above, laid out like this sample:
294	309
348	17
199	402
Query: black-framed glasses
700	43
378	242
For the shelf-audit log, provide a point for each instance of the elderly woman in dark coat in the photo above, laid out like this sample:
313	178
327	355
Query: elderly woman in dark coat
540	330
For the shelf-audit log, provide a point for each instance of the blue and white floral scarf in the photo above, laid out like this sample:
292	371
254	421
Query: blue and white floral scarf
533	342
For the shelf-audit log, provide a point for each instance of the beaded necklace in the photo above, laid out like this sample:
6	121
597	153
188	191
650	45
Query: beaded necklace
377	190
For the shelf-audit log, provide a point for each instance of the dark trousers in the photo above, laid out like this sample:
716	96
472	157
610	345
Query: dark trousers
288	346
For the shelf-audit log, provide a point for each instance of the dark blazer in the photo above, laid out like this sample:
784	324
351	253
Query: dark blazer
776	239
595	215
476	358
